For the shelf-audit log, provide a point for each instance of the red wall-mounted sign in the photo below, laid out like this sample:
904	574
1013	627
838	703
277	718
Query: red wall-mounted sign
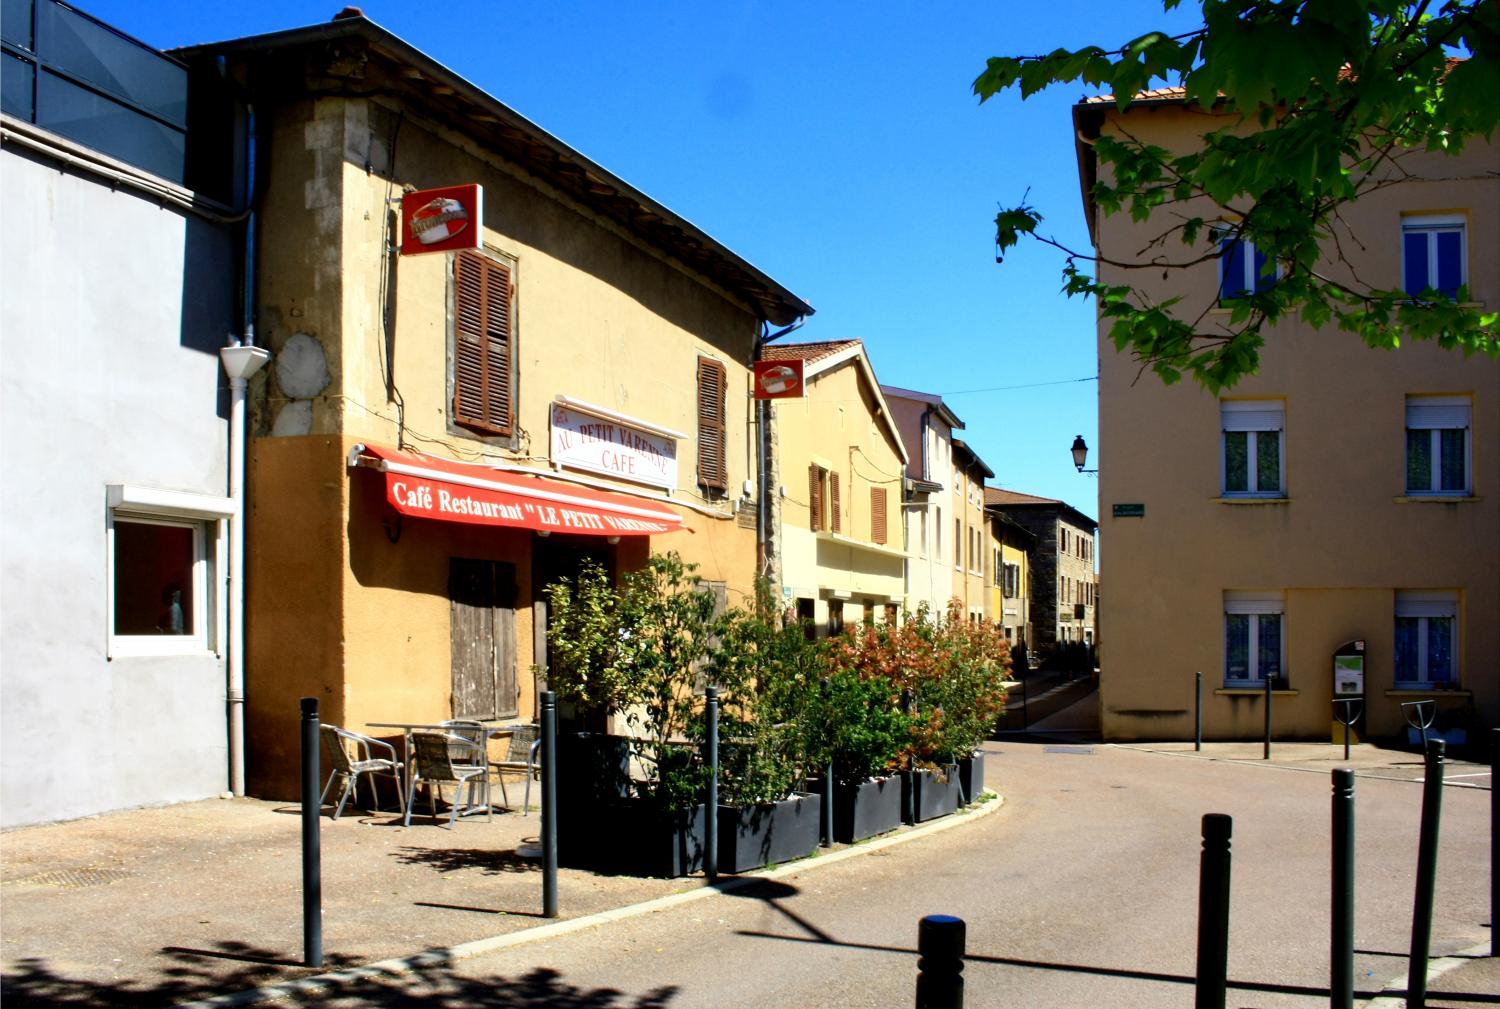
779	379
441	220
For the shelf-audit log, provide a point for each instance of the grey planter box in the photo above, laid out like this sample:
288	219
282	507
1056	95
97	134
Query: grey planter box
928	794
753	836
864	810
971	775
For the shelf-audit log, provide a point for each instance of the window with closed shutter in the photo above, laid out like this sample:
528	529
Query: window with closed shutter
833	502
815	497
483	381
877	514
713	466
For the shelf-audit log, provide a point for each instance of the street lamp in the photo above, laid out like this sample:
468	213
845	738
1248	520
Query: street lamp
1081	455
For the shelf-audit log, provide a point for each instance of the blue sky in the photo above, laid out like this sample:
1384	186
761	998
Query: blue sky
836	146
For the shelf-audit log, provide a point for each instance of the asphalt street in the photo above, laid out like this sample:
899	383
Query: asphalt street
1080	891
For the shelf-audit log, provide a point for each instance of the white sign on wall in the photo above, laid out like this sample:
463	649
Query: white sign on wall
586	441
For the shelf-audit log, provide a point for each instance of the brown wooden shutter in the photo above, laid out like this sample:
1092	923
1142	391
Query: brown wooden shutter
483	390
877	514
713	466
814	498
833	502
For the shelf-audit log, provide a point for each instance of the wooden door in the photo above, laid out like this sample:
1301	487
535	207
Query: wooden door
483	628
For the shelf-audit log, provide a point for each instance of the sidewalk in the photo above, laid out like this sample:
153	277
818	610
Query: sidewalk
155	907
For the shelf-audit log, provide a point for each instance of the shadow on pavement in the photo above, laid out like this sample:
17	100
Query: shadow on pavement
436	985
488	861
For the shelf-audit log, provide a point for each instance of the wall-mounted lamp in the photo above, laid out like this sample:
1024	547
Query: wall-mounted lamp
612	540
1081	455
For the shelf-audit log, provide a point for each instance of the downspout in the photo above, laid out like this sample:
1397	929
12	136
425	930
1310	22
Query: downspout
241	359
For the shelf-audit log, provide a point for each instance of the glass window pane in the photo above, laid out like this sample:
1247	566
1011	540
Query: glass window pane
153	578
1418	459
1236	462
1236	646
1451	469
1268	461
15	23
1450	262
17	77
1268	634
1406	649
1414	261
112	63
1231	269
109	127
1439	649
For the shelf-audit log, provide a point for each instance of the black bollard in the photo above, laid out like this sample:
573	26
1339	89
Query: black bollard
1213	913
549	804
940	964
825	809
1267	754
1341	945
1427	847
711	821
1198	712
1494	832
312	854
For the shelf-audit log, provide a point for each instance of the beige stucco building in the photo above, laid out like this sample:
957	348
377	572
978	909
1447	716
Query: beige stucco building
841	462
927	427
1341	494
970	530
443	433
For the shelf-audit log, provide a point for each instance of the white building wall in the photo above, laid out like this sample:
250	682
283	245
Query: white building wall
111	312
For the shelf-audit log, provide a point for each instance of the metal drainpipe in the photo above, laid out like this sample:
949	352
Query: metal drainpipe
241	360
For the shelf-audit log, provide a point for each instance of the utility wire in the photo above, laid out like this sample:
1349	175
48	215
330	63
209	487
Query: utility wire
1031	385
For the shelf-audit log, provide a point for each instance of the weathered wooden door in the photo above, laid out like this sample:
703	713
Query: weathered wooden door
483	627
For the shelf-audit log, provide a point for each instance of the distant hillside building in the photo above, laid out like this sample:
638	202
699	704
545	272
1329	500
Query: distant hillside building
1062	566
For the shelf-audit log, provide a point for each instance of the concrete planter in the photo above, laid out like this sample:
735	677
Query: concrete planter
971	775
773	832
927	795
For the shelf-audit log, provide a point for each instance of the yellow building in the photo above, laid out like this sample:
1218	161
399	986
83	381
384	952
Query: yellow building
970	530
841	462
1010	566
443	433
1340	495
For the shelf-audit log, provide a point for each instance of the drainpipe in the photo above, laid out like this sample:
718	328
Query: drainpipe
241	359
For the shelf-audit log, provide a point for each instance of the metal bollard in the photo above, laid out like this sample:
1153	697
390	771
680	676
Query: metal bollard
711	815
1494	832
940	964
1213	913
1427	848
1198	712
312	853
825	809
1341	938
549	804
1267	754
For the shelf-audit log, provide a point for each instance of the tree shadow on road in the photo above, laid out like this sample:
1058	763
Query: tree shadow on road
433	983
487	860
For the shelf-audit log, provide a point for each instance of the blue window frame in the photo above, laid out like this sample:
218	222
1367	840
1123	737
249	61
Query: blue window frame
1433	255
1243	269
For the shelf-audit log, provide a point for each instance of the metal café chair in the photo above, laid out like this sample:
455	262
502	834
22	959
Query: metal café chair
350	755
433	761
523	758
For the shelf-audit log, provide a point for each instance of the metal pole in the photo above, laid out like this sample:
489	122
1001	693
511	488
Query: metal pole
312	855
1494	832
1267	754
1198	712
1025	710
549	804
711	822
1427	845
1341	947
1346	740
940	964
1213	912
826	810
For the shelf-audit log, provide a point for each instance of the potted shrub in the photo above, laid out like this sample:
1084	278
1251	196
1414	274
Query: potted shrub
632	651
867	731
973	661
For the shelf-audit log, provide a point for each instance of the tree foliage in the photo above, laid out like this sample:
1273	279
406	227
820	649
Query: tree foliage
1317	103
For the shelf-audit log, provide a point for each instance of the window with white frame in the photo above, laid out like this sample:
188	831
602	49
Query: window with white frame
1243	269
1433	255
1251	463
1426	639
1254	638
1438	444
163	549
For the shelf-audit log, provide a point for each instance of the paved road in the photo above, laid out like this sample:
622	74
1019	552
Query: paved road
1080	892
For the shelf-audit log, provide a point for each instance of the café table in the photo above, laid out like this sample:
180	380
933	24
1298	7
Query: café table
407	728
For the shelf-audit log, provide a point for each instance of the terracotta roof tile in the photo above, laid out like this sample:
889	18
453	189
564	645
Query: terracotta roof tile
809	352
1000	496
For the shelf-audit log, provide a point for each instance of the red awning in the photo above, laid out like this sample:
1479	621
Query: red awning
428	487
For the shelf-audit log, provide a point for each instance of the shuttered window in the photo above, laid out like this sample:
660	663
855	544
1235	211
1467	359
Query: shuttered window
833	502
483	381
713	466
815	476
877	514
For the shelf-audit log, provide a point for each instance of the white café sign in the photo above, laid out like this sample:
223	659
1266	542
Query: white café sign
581	440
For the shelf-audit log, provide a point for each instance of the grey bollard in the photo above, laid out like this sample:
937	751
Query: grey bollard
940	964
1341	937
1427	851
312	852
549	804
1213	913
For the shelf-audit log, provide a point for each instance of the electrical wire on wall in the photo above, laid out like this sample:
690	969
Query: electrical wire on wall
387	346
